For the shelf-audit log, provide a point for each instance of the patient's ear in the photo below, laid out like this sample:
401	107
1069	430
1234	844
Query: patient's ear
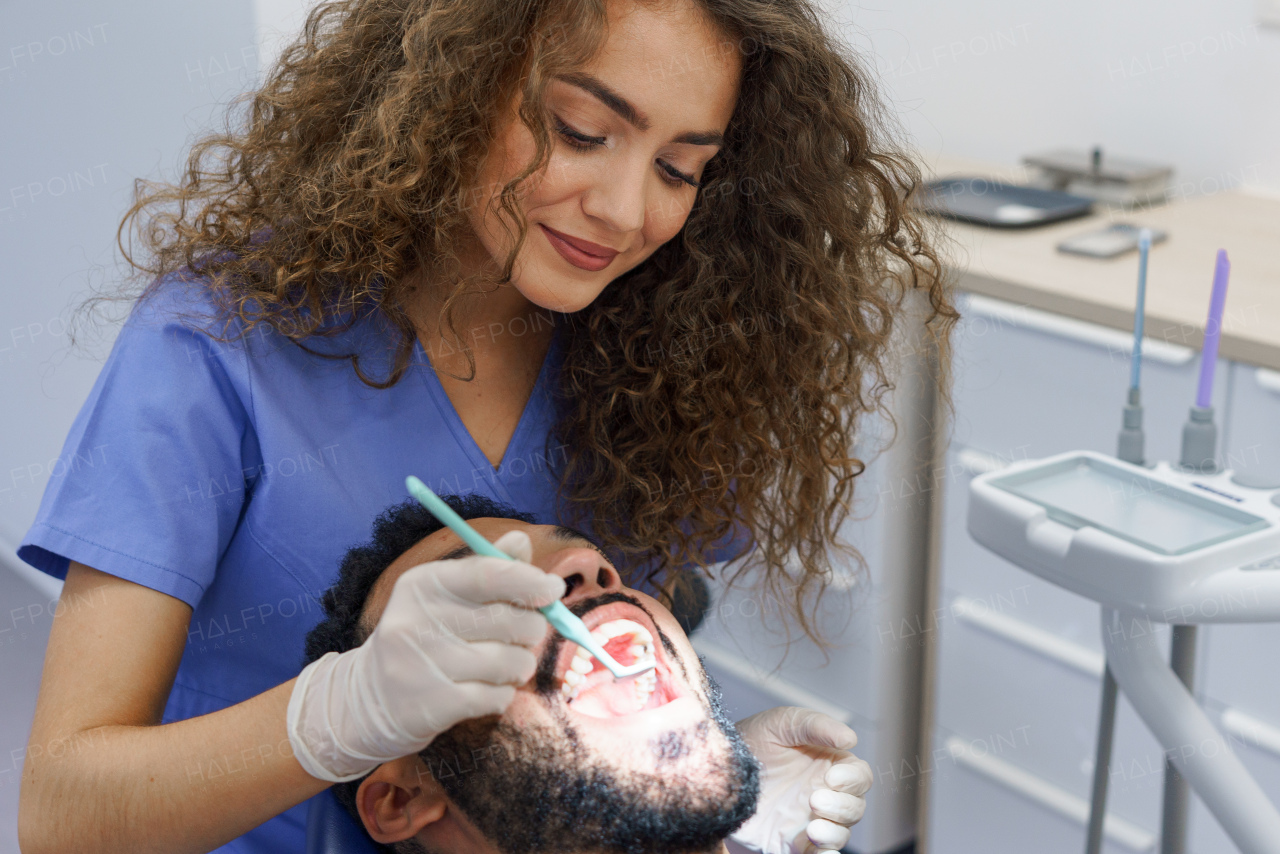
399	799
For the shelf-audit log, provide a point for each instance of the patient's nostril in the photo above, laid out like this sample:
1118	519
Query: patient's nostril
603	578
571	582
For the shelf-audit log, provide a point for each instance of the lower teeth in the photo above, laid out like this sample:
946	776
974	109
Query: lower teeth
643	687
583	666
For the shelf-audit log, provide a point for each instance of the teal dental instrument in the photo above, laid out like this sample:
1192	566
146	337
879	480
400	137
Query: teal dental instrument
1132	439
560	617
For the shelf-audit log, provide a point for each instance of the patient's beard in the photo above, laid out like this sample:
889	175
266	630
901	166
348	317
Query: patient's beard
540	790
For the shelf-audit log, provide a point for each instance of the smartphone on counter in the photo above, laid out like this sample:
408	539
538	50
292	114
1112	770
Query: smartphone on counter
1116	239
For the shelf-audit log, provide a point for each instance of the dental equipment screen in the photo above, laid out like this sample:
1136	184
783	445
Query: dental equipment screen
1157	516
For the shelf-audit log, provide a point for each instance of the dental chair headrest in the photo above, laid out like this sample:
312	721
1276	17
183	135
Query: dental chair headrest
332	830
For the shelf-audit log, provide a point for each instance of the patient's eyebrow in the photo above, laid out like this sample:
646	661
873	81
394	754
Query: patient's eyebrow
460	551
560	532
564	532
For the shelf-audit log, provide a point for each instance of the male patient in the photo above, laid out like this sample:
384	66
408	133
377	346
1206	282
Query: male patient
579	762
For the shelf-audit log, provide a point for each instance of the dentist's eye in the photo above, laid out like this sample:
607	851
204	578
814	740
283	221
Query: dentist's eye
575	139
680	177
670	175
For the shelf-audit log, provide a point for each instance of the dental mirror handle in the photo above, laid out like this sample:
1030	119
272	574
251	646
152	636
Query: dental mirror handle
560	617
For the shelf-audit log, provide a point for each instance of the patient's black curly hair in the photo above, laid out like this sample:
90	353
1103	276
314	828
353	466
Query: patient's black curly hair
395	531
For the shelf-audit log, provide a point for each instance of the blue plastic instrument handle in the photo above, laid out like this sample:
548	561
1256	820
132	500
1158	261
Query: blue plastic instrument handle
556	613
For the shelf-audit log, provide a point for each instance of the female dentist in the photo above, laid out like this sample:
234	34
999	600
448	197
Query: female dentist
622	263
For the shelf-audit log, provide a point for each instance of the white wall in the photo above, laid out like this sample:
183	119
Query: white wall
1194	83
92	95
276	22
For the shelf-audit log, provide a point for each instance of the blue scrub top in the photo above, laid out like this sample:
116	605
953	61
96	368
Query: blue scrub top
235	476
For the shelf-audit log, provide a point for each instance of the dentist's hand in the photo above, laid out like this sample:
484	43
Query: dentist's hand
812	787
453	642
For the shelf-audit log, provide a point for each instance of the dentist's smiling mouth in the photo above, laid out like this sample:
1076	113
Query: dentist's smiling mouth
580	256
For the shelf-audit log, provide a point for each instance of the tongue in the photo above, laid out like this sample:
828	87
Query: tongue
612	698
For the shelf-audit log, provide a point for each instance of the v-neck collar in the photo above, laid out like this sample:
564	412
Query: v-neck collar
539	400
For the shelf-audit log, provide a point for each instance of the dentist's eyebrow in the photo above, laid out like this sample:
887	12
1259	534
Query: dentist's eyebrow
596	87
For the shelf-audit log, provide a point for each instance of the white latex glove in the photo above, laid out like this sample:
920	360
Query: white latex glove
811	788
452	644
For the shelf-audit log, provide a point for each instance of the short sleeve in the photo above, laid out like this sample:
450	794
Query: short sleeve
150	483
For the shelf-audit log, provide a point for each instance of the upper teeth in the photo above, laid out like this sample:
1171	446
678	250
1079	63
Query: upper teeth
613	628
582	662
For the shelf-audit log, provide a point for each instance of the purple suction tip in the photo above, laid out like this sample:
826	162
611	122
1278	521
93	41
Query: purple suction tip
1213	330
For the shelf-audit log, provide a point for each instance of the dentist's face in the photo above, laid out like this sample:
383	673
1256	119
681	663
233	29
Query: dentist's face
632	132
621	759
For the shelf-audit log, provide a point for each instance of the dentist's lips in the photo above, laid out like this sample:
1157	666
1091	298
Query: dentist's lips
581	254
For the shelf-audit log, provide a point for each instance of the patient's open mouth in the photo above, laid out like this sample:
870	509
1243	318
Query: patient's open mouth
591	690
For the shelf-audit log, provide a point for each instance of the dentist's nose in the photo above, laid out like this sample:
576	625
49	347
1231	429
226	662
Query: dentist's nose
618	202
585	572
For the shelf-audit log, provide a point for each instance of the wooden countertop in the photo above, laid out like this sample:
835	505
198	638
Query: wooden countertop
1024	267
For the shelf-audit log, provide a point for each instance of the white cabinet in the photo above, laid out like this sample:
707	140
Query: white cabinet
1252	435
1236	658
749	625
1029	384
1257	743
1019	661
868	677
870	674
1238	670
983	804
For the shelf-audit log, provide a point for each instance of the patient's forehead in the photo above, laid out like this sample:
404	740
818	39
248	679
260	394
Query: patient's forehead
434	546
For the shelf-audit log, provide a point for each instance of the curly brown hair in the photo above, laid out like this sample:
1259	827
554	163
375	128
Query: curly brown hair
716	386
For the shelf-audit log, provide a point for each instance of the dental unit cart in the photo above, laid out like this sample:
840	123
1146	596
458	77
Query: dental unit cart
1178	544
1156	545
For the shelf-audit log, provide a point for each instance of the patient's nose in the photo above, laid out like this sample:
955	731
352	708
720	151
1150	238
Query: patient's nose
585	572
